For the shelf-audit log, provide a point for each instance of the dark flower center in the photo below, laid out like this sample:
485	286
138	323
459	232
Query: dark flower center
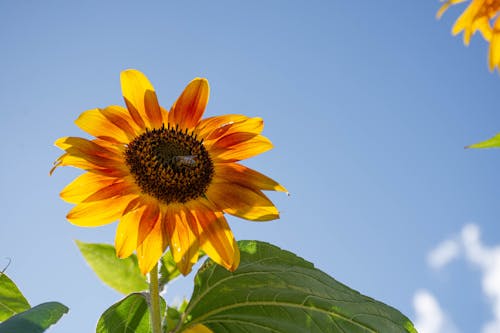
169	164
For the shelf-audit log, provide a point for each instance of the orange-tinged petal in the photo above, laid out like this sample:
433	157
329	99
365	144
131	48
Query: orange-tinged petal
197	328
106	168
97	124
127	232
151	249
164	115
119	188
86	148
182	239
239	146
190	106
216	238
240	174
217	130
241	201
121	118
141	100
148	220
208	125
84	185
89	155
97	213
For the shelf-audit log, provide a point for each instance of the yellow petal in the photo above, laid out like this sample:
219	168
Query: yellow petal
240	174
103	124
151	249
216	238
494	51
241	201
217	129
445	6
182	239
97	213
127	232
91	150
197	328
141	100
148	220
106	168
208	125
84	185
190	106
239	146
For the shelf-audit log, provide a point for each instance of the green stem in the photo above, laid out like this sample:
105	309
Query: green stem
154	302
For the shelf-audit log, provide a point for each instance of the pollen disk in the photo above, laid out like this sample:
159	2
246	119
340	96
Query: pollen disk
170	164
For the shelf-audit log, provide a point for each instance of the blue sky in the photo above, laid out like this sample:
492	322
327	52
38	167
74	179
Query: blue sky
369	106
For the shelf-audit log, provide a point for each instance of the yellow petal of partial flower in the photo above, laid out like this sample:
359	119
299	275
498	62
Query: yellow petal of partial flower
97	213
151	249
239	146
240	174
494	51
241	201
190	106
141	100
182	239
198	328
445	6
216	238
85	185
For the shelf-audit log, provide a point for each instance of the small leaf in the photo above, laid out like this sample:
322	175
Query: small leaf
12	300
275	291
494	142
123	275
130	315
34	320
168	269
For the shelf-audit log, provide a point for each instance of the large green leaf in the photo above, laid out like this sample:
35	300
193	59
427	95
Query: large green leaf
34	320
12	300
123	275
130	315
275	291
493	142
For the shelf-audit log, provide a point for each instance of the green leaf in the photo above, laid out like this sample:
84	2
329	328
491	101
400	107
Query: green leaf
275	291
174	315
494	142
130	315
34	320
123	275
12	300
168	269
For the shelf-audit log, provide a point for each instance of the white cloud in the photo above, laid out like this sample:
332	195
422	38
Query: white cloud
443	253
487	259
430	318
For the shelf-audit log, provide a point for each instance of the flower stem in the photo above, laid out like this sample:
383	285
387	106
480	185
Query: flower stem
154	302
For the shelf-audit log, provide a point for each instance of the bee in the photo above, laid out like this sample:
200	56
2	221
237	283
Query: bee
187	160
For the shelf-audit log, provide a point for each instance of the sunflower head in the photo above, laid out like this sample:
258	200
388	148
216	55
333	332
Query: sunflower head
168	176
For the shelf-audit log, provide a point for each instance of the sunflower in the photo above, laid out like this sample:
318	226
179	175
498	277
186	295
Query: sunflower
478	16
169	177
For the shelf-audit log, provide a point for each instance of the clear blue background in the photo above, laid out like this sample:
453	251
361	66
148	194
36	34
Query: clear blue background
369	105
